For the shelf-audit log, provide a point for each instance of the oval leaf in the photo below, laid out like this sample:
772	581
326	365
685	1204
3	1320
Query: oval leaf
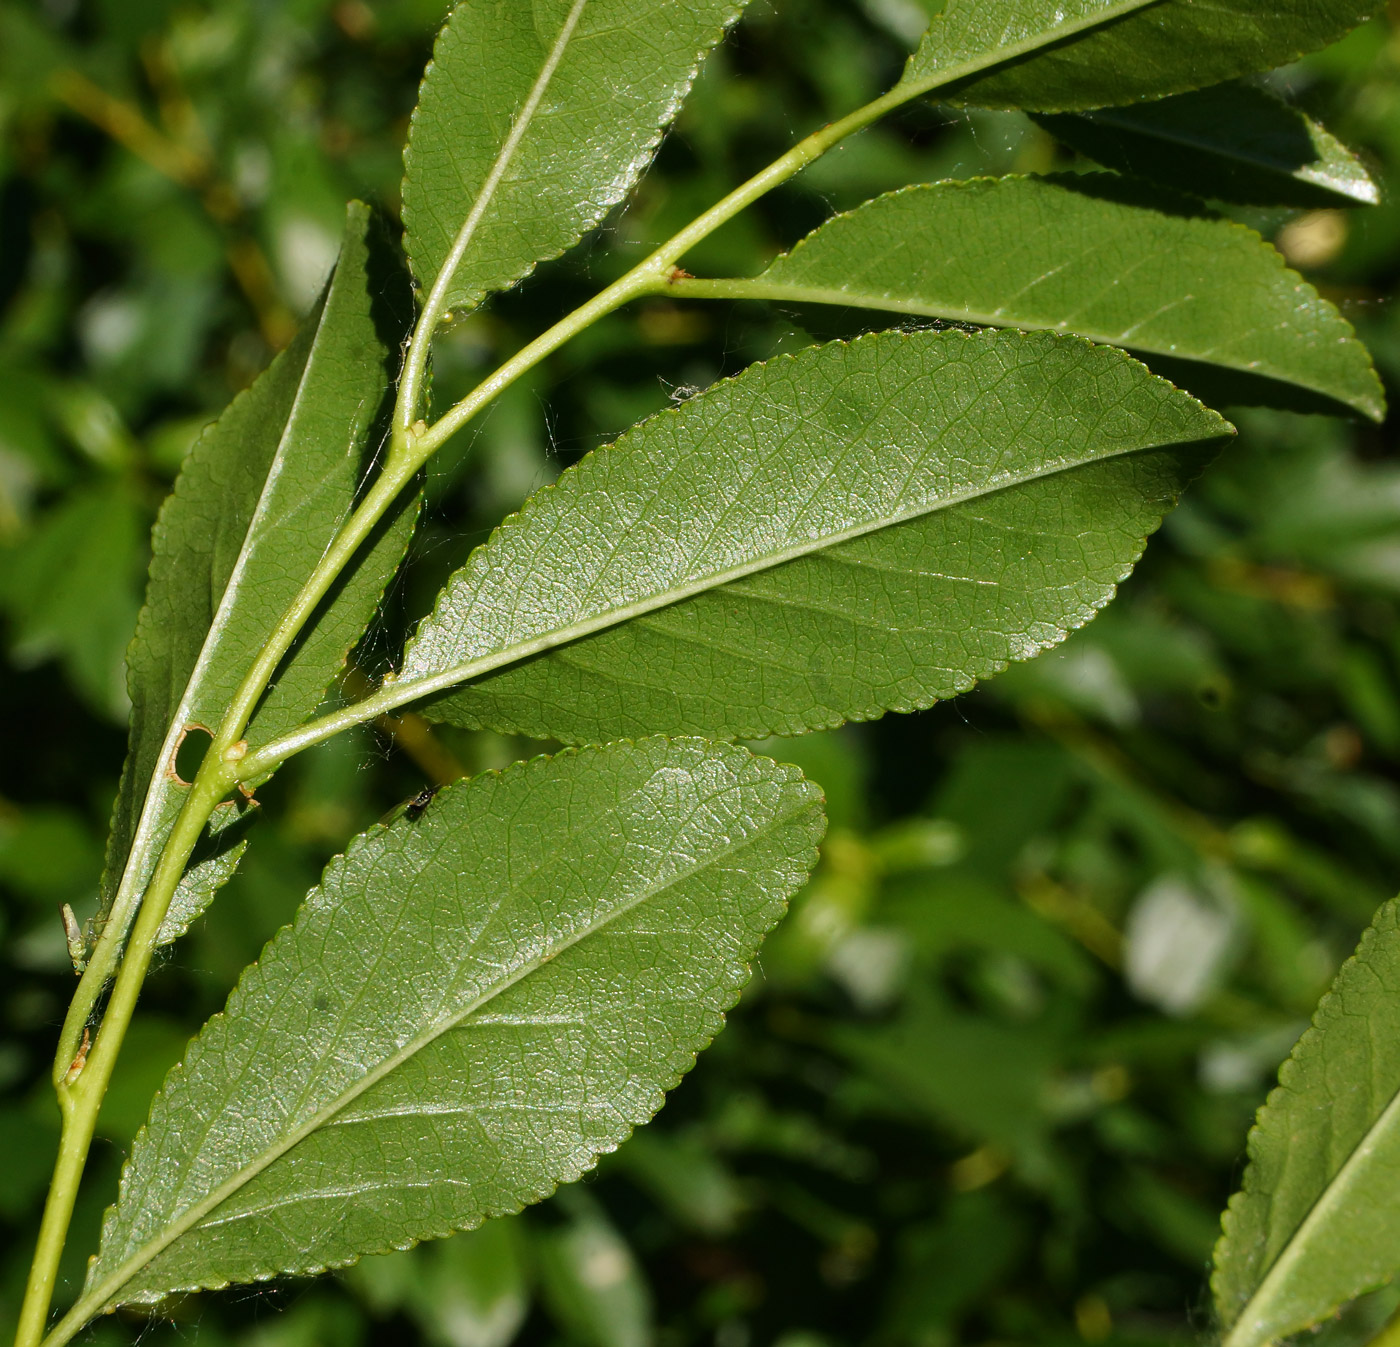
1086	255
1068	55
259	498
1233	143
534	120
468	1010
1315	1223
839	533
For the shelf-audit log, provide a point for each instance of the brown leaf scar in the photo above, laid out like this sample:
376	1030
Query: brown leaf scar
80	1061
170	773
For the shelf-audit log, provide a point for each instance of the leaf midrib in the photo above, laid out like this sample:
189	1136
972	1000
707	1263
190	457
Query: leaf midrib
486	194
1032	42
409	689
778	292
148	821
1245	1332
92	1302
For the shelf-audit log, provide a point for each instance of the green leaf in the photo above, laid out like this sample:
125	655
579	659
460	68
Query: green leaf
1066	55
210	868
854	529
1234	143
1085	254
1315	1223
472	1290
470	1008
475	1289
259	499
71	591
592	1284
534	120
979	1078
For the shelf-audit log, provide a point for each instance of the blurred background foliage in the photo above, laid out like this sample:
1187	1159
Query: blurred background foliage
993	1079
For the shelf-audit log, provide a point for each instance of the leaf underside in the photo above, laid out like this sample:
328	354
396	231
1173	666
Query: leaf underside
535	119
1234	142
259	499
1315	1223
469	1009
1088	254
854	529
1070	55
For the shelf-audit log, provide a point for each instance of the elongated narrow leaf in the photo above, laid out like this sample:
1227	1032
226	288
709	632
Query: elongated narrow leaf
259	498
1086	255
534	119
1317	1221
1066	55
847	531
1234	142
210	868
470	1008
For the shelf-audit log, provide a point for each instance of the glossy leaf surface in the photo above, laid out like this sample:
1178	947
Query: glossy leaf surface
1315	1223
1065	55
534	120
259	499
855	529
468	1010
1086	255
1233	142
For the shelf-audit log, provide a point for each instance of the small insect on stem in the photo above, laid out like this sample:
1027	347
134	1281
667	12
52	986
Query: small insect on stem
73	933
412	808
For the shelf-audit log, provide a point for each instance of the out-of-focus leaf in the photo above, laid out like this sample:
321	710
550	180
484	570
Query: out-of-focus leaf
686	1178
256	504
28	1144
1064	55
1088	255
986	1081
855	529
565	937
1326	509
592	1283
48	855
71	591
1315	1223
957	912
945	1265
534	120
1234	142
152	1046
29	53
29	456
474	1290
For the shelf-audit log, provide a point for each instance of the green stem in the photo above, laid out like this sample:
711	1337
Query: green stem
108	950
654	275
415	365
731	288
410	448
84	1084
81	1091
357	528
